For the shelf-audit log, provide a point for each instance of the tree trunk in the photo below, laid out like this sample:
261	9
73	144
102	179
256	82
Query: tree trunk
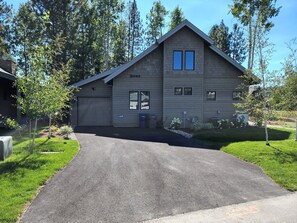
33	138
296	130
49	126
250	44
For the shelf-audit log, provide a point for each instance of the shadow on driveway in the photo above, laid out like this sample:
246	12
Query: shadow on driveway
140	134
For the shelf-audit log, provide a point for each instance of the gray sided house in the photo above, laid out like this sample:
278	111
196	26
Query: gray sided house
7	77
182	75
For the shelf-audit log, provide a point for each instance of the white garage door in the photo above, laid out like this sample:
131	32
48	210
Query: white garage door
94	111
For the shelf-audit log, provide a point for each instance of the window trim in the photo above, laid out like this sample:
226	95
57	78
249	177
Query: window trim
137	107
236	99
149	100
215	98
182	60
193	51
180	91
188	88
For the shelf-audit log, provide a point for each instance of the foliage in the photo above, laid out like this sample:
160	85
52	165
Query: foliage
135	30
221	37
155	22
9	122
256	15
65	131
5	17
175	123
225	124
232	43
176	17
197	126
239	122
22	174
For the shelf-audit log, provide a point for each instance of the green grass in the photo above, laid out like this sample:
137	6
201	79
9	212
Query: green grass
22	174
279	160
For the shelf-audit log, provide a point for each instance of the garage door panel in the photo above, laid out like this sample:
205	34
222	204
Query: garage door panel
94	111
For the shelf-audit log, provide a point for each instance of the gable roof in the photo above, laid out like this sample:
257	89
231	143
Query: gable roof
96	77
113	73
6	75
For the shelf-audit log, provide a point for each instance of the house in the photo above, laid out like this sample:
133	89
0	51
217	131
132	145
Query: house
7	90
182	75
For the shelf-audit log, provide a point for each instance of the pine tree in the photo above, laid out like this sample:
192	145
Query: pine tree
238	47
135	31
155	22
177	16
5	16
120	46
221	37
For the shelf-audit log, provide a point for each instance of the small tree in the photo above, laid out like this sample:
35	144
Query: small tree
177	17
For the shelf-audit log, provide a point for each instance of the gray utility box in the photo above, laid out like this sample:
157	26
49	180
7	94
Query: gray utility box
5	147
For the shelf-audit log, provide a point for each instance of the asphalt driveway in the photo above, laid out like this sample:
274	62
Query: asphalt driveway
132	175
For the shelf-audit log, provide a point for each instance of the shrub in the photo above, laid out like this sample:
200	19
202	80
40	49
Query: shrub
196	125
175	123
208	126
65	131
239	122
225	124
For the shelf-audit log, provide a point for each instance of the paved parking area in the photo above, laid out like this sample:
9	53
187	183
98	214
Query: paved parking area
132	175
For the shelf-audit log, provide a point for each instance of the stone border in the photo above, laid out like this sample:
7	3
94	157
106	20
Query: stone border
180	132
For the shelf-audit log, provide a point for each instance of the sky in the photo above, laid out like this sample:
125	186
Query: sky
204	14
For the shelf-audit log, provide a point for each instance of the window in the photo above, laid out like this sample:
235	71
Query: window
189	60
237	95
188	91
144	100
133	100
177	60
178	91
211	95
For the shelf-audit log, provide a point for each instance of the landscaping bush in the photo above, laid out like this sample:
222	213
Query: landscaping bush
175	123
239	122
196	126
225	124
65	131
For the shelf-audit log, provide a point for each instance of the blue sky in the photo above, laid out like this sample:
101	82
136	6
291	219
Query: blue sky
204	14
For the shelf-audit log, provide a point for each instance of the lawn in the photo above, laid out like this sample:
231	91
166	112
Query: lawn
22	174
279	160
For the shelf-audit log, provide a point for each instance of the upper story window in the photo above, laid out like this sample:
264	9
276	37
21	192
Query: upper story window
178	91
188	91
144	100
177	60
133	100
189	60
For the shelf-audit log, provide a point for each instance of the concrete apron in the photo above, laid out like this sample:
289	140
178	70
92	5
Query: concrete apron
278	209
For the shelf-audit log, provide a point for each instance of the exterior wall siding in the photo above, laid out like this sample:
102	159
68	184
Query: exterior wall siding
94	89
149	71
184	106
222	77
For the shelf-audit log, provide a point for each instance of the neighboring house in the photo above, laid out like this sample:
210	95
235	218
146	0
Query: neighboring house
7	90
182	75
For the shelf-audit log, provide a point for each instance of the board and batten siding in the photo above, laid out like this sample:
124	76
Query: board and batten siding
178	105
96	89
224	78
145	75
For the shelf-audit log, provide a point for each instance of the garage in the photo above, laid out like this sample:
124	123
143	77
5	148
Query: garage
94	111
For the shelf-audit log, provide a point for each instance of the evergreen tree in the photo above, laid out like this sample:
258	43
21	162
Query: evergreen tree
221	37
177	17
120	46
135	30
5	16
238	46
155	22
